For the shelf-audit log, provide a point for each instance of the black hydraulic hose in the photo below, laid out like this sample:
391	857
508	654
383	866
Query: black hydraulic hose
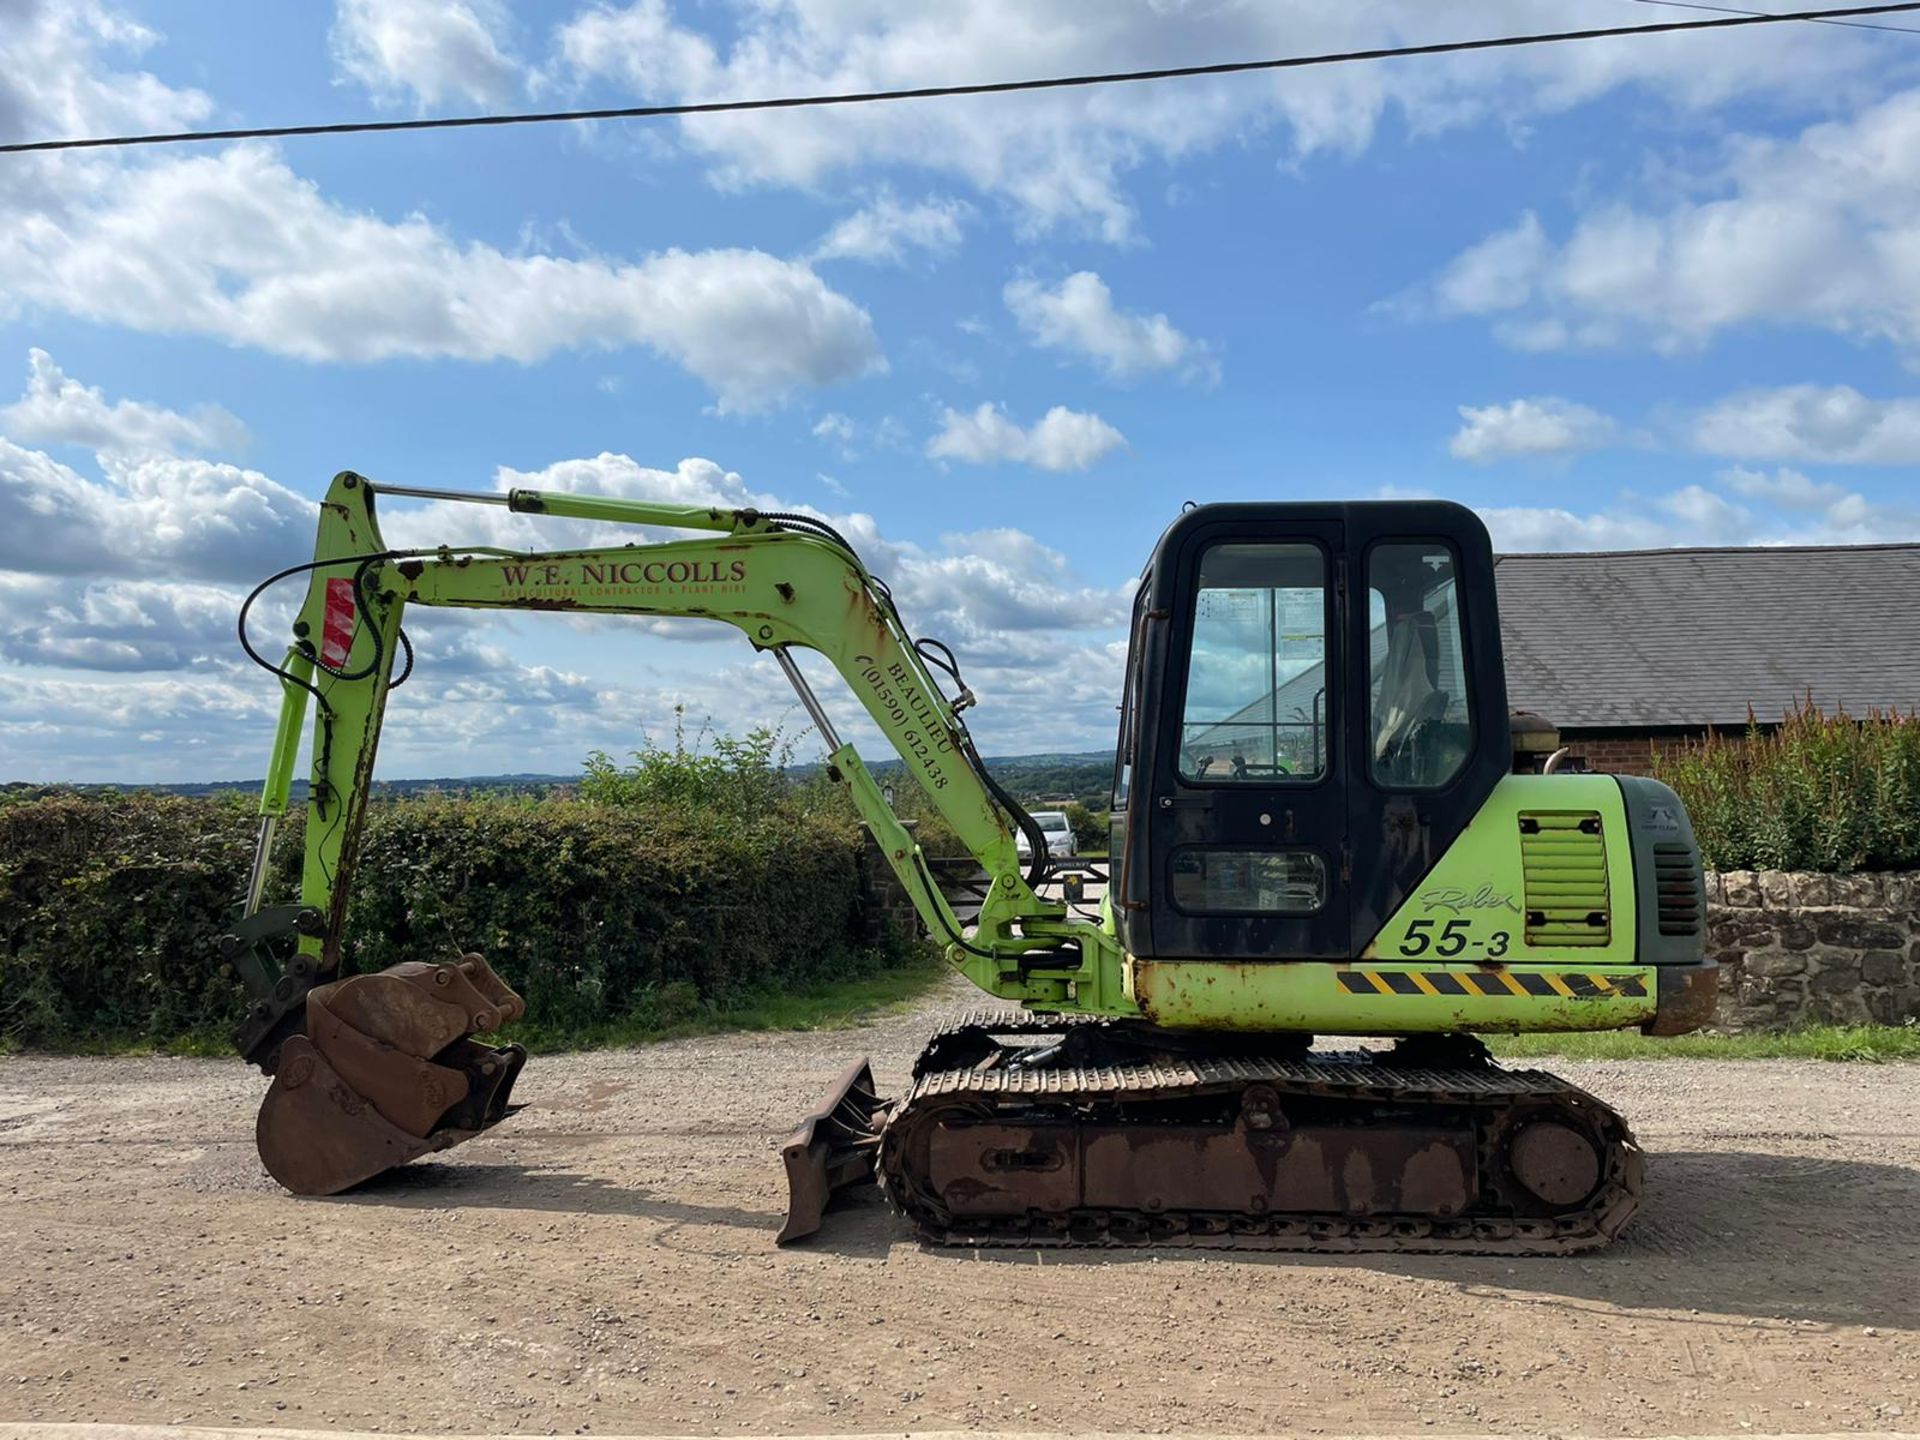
809	524
944	660
406	670
360	604
246	606
1036	837
937	902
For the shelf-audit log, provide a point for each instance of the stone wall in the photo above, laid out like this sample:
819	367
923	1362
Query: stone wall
1796	948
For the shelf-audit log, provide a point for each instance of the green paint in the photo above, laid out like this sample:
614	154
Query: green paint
782	590
1310	996
796	592
1473	904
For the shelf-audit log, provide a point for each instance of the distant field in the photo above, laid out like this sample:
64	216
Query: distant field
1086	776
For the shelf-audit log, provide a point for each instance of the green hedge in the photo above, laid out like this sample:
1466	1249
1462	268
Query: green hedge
1819	792
111	906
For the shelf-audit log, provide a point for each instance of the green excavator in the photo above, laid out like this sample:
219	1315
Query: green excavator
1319	829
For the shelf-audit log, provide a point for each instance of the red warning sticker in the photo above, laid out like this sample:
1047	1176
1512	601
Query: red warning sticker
336	630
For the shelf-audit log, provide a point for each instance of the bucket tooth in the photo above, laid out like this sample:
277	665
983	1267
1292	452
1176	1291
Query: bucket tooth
834	1149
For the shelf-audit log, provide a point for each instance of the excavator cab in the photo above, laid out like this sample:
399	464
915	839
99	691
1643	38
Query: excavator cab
1315	709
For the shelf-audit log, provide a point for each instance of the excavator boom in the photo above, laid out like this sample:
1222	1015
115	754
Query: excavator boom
361	1082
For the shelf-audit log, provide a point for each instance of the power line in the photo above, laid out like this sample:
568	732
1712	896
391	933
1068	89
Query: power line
1731	10
934	92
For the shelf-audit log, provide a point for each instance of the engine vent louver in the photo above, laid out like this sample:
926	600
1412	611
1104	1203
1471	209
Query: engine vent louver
1676	873
1564	857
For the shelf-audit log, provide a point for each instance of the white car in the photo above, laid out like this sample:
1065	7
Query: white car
1053	824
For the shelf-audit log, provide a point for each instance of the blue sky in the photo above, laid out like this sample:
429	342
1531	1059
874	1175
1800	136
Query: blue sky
1633	293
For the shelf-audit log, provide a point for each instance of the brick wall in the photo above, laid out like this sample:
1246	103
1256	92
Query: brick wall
1620	752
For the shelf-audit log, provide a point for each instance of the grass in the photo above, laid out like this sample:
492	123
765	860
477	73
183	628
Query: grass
830	1005
841	1004
1871	1044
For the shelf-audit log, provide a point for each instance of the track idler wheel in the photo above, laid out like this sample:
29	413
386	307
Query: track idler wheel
386	1072
1555	1162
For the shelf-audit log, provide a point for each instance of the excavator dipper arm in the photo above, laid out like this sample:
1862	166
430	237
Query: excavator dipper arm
369	1070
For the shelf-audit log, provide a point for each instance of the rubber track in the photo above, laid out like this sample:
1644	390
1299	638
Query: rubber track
1489	1090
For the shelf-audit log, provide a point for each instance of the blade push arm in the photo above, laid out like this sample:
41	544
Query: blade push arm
789	586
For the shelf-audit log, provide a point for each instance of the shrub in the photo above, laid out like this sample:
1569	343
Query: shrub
1818	792
591	909
743	778
111	909
1089	828
668	886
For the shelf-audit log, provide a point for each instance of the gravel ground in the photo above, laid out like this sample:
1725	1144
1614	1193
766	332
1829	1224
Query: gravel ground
604	1263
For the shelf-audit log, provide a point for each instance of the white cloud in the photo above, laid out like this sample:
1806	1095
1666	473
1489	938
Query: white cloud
154	515
1795	513
435	49
60	76
1065	157
111	588
1522	529
1005	580
1826	512
1498	274
1543	426
885	230
118	625
54	84
1820	230
1062	439
1823	424
1784	487
58	409
1718	520
1078	317
833	426
238	247
64	728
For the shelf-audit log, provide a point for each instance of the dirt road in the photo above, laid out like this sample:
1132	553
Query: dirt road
603	1263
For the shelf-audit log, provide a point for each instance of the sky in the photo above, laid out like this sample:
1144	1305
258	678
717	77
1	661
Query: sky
1628	293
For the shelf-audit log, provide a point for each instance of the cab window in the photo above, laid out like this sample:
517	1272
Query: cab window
1256	693
1420	721
1123	747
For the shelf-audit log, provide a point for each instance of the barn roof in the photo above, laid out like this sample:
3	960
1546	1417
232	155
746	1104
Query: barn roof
1645	638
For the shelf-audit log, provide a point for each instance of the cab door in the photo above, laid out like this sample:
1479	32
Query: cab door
1246	811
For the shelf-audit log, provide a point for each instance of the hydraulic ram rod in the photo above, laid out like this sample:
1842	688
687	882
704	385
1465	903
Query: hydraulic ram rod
588	507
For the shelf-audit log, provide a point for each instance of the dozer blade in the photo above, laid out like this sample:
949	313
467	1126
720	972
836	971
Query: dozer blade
386	1072
833	1149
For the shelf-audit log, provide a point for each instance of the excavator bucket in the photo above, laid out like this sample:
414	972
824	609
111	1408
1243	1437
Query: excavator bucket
387	1071
834	1148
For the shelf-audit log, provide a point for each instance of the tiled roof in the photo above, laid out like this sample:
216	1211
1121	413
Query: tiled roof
1689	637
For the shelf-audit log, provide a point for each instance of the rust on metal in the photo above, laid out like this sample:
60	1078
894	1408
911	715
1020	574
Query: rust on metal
834	1148
1116	1134
1554	1162
386	1071
1686	999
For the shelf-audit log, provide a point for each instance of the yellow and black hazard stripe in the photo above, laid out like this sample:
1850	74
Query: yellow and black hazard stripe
1529	984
